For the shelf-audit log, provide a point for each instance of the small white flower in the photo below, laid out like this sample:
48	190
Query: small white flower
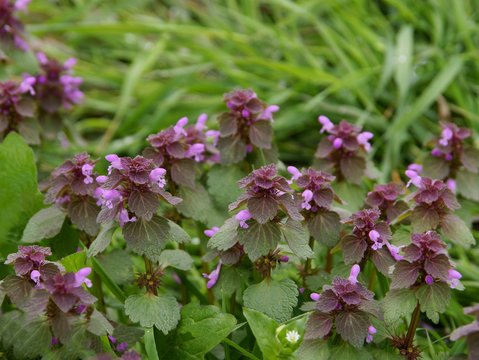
292	336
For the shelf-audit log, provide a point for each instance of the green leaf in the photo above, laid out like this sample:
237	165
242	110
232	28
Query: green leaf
273	298
456	230
398	303
297	238
325	226
150	237
258	239
226	237
468	184
178	259
202	328
118	265
197	205
98	324
346	351
436	167
352	195
45	224
264	331
271	335
129	334
29	339
102	241
19	193
434	299
223	184
149	310
74	262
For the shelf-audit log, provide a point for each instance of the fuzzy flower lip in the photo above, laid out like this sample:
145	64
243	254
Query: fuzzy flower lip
211	232
353	276
213	276
242	217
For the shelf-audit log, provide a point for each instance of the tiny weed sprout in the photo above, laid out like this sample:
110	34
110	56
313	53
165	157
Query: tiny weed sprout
130	231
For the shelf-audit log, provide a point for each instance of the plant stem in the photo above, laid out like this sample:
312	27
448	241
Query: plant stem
97	290
329	261
372	279
412	326
149	270
243	351
307	266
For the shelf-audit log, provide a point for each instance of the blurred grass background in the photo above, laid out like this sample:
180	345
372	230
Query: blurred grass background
395	67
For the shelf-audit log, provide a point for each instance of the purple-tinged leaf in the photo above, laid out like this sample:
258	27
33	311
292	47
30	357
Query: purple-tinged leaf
290	206
436	167
383	260
353	168
325	226
328	301
470	159
405	274
176	150
64	301
468	184
83	213
318	326
228	124
434	299
324	148
261	134
456	230
18	289
262	208
438	266
258	239
183	172
173	200
143	203
424	218
353	326
323	197
412	253
232	149
450	200
353	249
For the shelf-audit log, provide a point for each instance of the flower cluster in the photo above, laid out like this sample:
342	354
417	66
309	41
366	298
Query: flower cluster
369	239
64	290
317	196
30	262
132	190
17	109
265	193
343	151
434	202
72	186
245	125
178	149
385	198
55	87
12	31
348	305
426	261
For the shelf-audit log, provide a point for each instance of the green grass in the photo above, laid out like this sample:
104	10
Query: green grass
395	67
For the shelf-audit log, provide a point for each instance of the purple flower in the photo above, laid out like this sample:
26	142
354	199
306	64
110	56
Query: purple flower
66	290
81	277
266	193
328	126
17	109
242	217
247	124
29	259
425	261
12	31
213	276
344	298
112	339
55	86
367	241
211	232
307	197
344	149
453	278
371	332
451	185
353	276
134	189
296	174
122	347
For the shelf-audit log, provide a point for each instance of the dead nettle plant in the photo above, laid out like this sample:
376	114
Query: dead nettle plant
206	218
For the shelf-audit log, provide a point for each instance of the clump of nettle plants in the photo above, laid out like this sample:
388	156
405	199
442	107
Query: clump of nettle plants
206	245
